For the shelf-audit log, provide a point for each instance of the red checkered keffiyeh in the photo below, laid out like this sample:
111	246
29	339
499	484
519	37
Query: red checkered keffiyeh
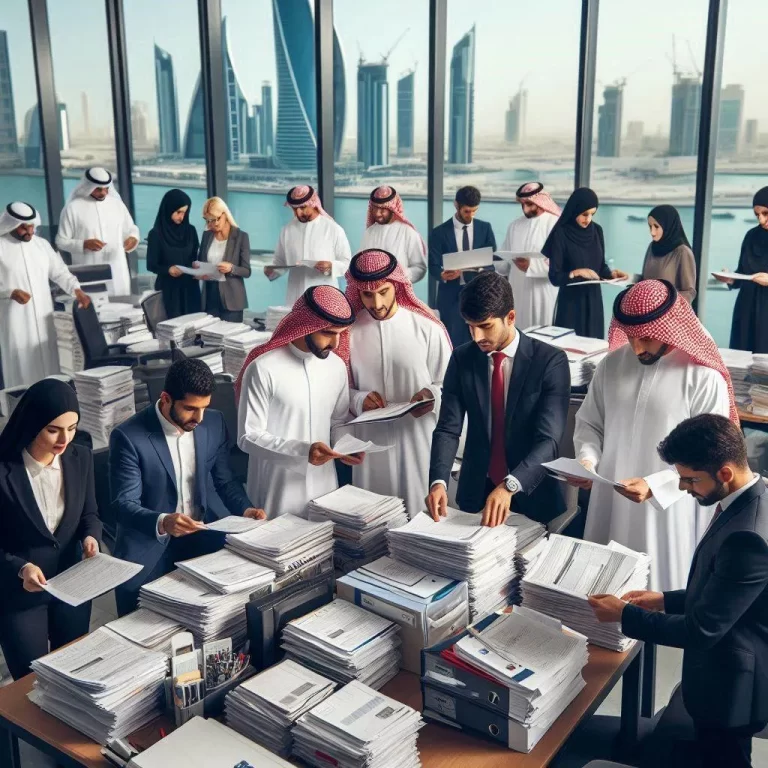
654	309
534	192
305	195
387	197
318	308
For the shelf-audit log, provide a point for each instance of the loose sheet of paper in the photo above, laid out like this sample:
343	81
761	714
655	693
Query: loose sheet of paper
567	468
732	275
389	412
90	578
349	444
234	524
621	282
479	257
209	270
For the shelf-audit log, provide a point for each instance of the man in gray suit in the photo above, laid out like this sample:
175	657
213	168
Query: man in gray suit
720	619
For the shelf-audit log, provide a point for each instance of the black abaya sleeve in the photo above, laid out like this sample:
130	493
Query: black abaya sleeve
742	268
558	269
604	271
154	253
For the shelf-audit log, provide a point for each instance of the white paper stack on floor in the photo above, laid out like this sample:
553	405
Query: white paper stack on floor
530	537
209	615
569	570
459	547
147	629
237	348
359	728
285	543
739	363
71	356
361	519
345	642
274	316
101	685
183	329
226	572
265	707
105	395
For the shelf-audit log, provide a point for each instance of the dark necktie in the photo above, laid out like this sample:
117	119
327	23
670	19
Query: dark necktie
497	470
465	239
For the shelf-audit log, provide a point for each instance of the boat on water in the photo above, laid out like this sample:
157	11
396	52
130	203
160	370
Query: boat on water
724	215
633	217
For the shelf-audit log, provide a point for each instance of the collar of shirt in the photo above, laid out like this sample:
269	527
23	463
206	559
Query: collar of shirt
300	353
459	225
169	429
510	350
34	467
728	500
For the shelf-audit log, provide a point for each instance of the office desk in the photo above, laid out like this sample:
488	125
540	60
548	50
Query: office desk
440	746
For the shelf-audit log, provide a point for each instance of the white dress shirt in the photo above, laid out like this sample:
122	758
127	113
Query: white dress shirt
181	446
47	483
728	500
458	231
216	251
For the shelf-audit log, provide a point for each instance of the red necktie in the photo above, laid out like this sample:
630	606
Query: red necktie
498	467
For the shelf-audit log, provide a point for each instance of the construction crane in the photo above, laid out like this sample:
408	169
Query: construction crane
385	57
673	61
693	60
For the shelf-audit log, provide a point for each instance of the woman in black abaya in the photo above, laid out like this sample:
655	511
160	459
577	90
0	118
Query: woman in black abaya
576	251
173	243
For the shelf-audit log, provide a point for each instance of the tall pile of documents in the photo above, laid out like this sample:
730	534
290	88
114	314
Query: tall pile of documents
105	395
207	614
226	572
511	676
71	355
147	629
359	728
237	348
739	364
569	570
101	685
583	353
184	329
459	547
345	642
214	334
285	543
274	316
530	540
360	522
265	707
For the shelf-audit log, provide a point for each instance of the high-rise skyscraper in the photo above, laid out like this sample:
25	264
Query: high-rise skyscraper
750	134
635	130
372	114
514	121
267	126
85	110
167	104
405	115
295	144
684	120
9	143
609	121
33	153
461	125
729	124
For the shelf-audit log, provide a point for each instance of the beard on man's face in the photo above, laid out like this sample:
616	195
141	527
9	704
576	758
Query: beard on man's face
317	351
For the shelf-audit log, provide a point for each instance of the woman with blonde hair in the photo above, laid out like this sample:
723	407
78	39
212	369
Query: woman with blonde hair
229	248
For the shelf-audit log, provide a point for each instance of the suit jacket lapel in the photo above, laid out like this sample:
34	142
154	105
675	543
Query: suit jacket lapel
482	385
520	369
201	451
160	444
69	476
19	481
229	249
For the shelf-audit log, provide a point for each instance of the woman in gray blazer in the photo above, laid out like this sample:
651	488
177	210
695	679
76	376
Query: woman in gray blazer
230	249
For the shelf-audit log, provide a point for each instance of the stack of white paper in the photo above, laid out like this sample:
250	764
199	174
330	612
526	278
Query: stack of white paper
265	707
237	348
208	614
285	543
345	642
358	728
739	364
71	355
569	570
274	316
105	395
214	334
583	353
530	536
147	629
227	572
759	368
101	685
182	330
459	547
758	397
361	519
213	357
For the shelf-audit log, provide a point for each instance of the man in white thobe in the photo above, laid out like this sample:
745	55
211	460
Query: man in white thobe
398	352
96	228
535	296
669	371
28	265
293	395
387	229
312	244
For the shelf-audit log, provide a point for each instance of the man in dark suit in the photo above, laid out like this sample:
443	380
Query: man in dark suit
164	464
720	619
462	232
515	392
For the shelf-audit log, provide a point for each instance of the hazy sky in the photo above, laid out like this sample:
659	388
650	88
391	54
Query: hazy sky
514	40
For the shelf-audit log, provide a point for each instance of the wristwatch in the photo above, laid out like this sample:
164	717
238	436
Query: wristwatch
512	485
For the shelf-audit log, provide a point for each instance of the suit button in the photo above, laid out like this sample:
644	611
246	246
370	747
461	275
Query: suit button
55	544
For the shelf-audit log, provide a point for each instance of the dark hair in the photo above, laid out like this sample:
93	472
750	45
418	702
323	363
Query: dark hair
488	295
189	377
706	442
468	196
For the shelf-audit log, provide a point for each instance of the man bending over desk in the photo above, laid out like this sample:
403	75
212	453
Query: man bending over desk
163	464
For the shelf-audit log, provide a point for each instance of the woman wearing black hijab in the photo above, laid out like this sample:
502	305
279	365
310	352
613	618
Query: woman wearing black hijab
173	243
749	329
576	251
48	522
669	256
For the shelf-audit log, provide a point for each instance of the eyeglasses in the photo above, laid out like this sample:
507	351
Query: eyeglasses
213	220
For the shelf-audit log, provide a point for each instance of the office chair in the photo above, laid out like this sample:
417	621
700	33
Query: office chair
154	310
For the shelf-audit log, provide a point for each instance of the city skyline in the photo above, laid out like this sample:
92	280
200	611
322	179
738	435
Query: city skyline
461	102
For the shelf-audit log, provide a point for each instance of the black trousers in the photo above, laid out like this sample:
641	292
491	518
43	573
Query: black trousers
25	635
214	306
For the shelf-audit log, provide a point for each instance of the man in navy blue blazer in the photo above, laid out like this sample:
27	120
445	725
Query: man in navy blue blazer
462	232
164	465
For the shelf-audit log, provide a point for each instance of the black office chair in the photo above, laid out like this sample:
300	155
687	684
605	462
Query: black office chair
154	310
95	348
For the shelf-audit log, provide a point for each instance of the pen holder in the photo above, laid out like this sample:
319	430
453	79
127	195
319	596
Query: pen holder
187	713
214	699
